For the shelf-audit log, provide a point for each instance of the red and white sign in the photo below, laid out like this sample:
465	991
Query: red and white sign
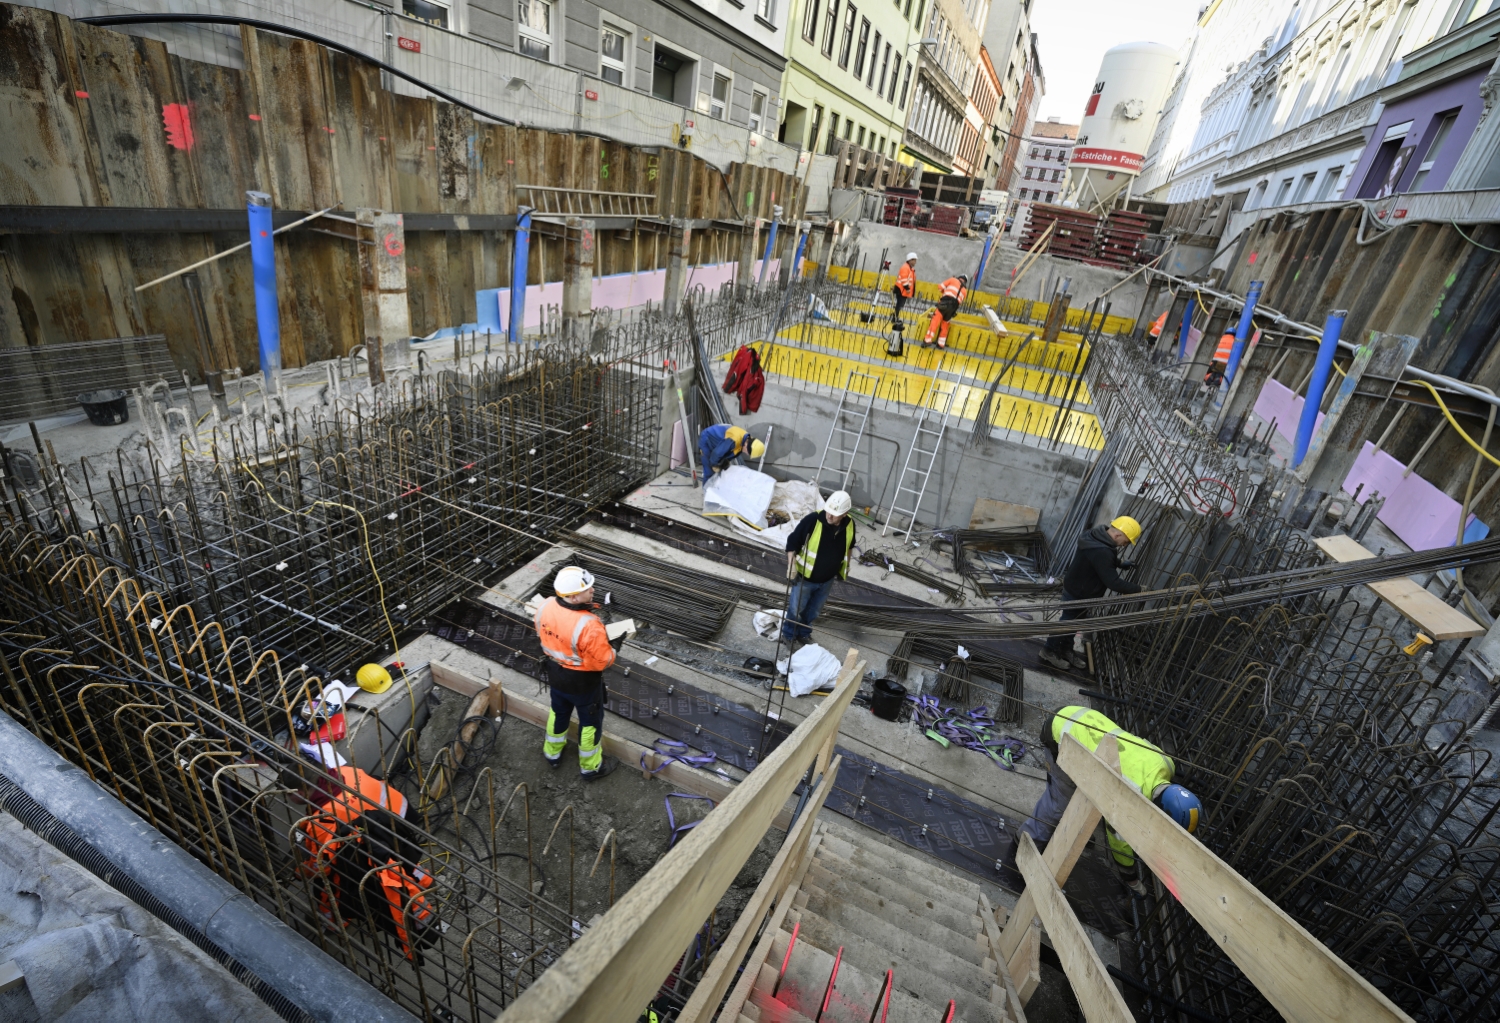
409	44
590	94
1114	159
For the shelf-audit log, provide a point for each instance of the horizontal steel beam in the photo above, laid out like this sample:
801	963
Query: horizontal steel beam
147	220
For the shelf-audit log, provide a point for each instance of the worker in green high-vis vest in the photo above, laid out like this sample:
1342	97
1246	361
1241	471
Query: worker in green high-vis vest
1142	764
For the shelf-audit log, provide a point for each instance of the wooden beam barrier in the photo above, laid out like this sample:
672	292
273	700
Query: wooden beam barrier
613	971
775	887
1069	839
1098	997
1296	972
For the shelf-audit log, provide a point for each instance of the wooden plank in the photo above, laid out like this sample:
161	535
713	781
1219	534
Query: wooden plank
1097	994
992	932
1069	839
1300	977
1421	606
992	514
615	969
773	886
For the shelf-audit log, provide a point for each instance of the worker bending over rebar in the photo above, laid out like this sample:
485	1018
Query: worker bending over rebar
954	290
575	640
1142	764
1094	569
817	553
719	445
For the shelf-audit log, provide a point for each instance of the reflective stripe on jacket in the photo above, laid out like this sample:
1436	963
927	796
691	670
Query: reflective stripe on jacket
807	557
953	288
1142	764
1226	345
906	280
573	638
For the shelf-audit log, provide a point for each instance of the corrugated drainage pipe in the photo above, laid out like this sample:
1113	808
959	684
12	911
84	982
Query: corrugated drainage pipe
67	809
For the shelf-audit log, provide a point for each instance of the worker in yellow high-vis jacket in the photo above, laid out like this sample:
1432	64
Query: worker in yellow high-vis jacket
1142	764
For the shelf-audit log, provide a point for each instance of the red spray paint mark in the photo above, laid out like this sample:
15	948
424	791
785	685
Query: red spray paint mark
255	117
263	234
393	245
1251	260
328	129
1168	880
179	125
81	94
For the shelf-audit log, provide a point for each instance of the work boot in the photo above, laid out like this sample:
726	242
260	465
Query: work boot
1052	660
606	767
552	763
1080	662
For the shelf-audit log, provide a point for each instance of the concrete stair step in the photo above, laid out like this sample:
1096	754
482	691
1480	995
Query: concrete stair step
928	974
856	992
773	1010
929	933
835	877
920	874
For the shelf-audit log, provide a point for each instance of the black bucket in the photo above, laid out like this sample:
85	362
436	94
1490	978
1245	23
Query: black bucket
105	408
886	702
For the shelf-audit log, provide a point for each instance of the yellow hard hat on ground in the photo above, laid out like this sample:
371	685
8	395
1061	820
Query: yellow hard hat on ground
372	678
1129	526
757	448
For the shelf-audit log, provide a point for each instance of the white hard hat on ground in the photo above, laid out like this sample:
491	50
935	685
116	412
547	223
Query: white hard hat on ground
572	580
838	503
910	256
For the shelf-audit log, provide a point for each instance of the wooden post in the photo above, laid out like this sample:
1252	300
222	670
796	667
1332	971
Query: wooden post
1097	994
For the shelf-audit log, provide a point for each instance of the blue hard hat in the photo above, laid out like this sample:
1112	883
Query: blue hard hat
1182	806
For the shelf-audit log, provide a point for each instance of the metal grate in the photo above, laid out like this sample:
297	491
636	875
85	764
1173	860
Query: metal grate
46	380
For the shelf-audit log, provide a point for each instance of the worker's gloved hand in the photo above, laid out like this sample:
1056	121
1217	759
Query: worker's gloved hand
1126	565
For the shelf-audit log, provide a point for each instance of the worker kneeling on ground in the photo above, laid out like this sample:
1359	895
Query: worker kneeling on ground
719	445
1094	569
904	288
574	639
954	290
1142	764
366	856
817	553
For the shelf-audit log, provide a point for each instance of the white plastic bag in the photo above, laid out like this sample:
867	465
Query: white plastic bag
812	668
767	622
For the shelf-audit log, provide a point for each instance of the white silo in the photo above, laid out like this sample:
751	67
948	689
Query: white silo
1118	120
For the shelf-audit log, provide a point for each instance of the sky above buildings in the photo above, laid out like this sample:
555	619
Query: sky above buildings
1073	35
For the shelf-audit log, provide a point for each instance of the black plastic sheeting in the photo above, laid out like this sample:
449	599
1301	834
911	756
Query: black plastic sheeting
907	809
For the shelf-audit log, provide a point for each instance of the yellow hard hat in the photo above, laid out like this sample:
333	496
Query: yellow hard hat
372	678
1129	526
757	448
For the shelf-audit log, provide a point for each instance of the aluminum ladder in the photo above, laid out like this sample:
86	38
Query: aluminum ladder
839	432
919	459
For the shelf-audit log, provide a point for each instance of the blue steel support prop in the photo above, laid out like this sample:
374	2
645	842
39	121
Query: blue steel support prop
518	275
765	259
802	232
1323	365
267	312
984	258
1187	328
1242	331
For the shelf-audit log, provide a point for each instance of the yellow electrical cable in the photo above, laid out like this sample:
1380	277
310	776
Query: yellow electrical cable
364	531
1454	423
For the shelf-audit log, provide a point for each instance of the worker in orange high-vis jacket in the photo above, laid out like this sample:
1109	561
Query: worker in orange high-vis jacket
1220	361
904	288
954	289
574	640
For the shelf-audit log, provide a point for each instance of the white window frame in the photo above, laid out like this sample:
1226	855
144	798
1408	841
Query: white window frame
554	9
765	99
765	10
728	76
607	23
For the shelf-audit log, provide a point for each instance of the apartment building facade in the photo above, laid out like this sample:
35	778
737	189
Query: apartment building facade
1009	44
1044	165
850	66
979	117
1012	144
720	58
949	47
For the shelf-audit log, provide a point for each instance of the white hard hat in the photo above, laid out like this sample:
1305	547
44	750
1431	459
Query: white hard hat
838	503
572	580
910	256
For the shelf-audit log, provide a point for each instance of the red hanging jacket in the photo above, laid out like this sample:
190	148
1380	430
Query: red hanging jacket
746	379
